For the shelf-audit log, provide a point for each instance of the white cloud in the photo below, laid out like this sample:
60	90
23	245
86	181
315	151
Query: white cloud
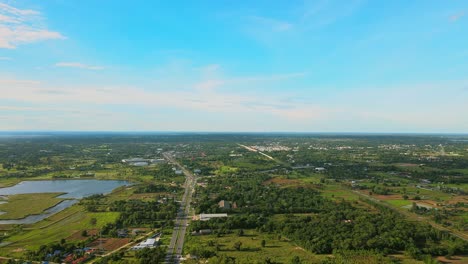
228	103
5	58
21	26
78	65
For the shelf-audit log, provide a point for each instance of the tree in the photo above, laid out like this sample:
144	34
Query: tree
263	242
238	245
84	233
93	221
405	197
240	232
296	260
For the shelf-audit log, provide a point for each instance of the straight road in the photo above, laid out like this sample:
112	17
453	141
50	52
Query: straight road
174	251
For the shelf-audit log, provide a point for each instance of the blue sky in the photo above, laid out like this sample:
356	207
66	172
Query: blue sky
317	66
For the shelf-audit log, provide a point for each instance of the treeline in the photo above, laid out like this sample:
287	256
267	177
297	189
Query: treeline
156	188
249	194
328	225
148	213
144	256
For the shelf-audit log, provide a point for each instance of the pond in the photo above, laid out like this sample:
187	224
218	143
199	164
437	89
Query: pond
73	189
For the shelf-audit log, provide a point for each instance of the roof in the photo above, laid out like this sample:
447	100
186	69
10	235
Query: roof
209	216
149	241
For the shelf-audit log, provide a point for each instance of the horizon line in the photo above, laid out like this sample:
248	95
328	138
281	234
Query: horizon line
224	132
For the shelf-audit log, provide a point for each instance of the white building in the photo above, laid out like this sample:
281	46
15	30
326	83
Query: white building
148	243
206	217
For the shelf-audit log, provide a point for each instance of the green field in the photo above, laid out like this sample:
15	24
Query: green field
399	203
21	205
53	229
335	191
280	250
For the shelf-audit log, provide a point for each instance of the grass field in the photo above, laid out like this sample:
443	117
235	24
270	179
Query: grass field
399	203
336	191
21	205
279	250
54	228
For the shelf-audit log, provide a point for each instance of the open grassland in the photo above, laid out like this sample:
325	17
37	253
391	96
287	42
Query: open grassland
337	192
21	205
399	203
280	250
7	182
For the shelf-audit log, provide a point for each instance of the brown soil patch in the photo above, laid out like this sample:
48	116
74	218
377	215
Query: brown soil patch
77	235
299	248
458	198
388	197
454	259
109	244
281	181
406	165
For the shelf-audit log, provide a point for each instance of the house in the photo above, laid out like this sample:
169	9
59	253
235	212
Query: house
206	217
197	171
157	161
224	204
178	172
425	181
122	233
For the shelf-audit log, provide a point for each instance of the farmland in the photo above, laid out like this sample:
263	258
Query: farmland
22	205
318	199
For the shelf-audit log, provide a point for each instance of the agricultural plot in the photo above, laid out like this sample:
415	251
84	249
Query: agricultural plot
21	205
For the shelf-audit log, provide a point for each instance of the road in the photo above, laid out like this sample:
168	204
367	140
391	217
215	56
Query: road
174	251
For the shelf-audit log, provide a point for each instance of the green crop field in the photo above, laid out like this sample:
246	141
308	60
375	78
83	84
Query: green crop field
21	205
54	228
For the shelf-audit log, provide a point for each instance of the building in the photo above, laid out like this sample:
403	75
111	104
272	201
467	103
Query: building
148	243
224	204
139	164
157	161
202	232
132	160
206	217
320	169
179	172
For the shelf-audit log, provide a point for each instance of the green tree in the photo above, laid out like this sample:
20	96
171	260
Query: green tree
238	245
296	260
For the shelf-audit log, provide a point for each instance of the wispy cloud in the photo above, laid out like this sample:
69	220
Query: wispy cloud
78	65
349	111
5	58
200	95
21	26
457	16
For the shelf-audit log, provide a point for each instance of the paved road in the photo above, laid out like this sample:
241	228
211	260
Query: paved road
174	251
